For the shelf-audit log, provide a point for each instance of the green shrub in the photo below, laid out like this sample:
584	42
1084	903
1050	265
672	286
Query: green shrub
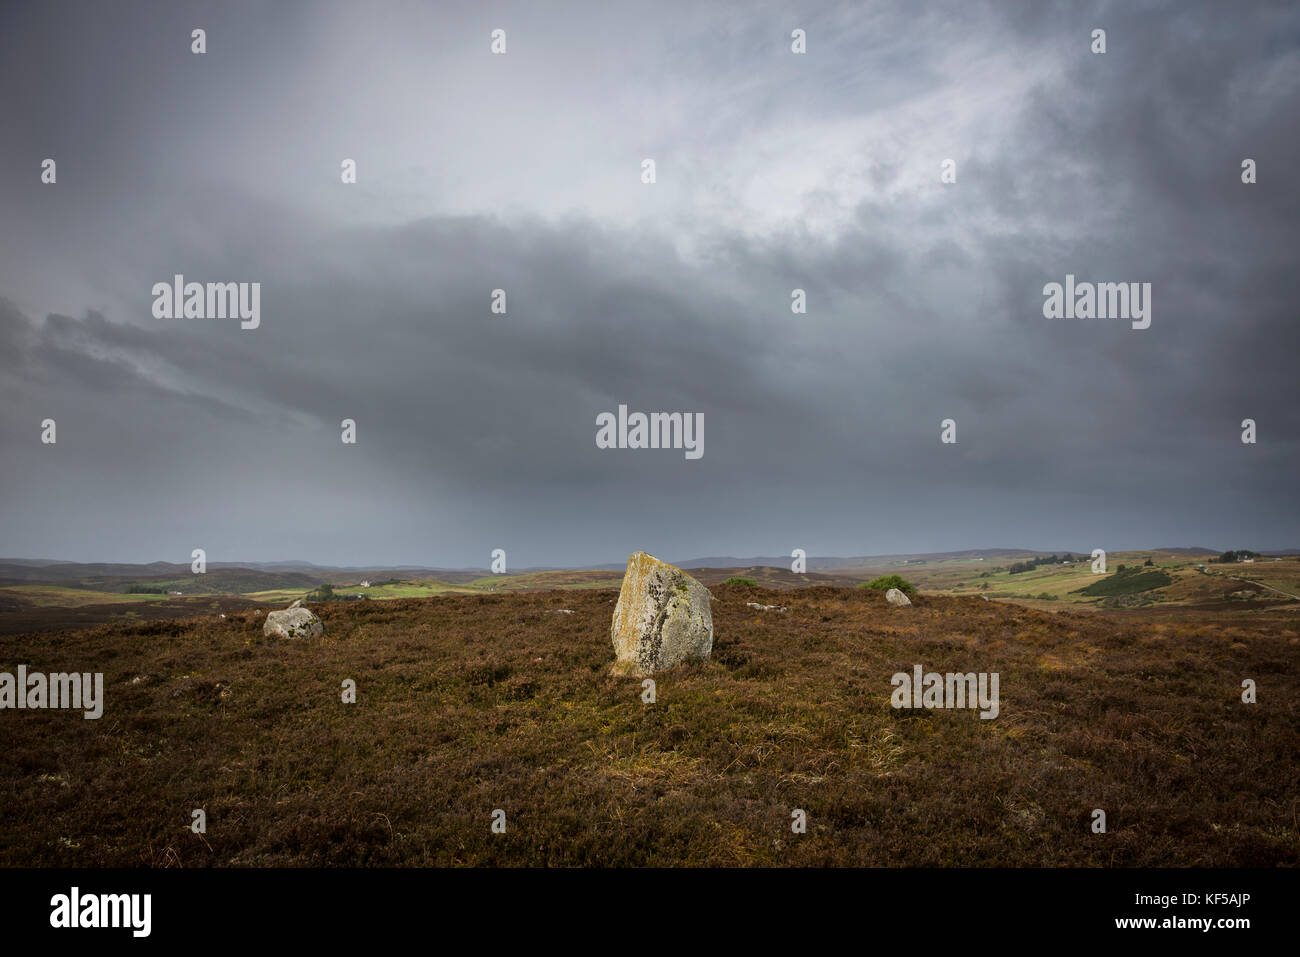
738	580
885	582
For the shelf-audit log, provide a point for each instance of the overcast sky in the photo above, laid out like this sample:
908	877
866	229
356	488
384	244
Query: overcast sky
522	171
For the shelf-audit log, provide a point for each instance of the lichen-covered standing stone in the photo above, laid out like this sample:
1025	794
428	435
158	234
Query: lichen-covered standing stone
662	618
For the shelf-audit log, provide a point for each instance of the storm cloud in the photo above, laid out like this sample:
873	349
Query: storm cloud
522	171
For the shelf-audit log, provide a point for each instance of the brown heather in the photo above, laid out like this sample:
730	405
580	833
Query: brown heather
470	703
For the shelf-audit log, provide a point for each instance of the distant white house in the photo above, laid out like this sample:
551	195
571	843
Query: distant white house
1248	561
365	584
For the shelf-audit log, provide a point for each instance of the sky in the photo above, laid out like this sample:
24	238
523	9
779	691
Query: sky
523	171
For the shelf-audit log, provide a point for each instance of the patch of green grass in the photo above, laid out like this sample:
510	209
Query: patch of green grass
1126	581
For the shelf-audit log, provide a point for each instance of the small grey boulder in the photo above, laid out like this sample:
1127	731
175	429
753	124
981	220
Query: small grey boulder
293	622
896	597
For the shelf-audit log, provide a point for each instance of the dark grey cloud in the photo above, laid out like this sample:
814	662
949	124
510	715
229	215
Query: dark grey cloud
520	172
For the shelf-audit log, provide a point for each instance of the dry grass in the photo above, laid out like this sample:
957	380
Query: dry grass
470	703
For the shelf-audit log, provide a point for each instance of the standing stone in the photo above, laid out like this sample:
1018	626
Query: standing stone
292	622
896	597
662	618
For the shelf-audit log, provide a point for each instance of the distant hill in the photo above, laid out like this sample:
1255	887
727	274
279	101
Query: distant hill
768	576
255	576
13	571
155	577
872	561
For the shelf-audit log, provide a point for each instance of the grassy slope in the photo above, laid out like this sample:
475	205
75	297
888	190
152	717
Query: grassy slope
475	702
48	596
431	587
1189	584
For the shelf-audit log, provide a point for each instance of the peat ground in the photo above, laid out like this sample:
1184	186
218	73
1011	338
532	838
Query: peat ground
466	704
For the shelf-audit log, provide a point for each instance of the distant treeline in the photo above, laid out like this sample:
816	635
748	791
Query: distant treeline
1018	567
1228	557
325	592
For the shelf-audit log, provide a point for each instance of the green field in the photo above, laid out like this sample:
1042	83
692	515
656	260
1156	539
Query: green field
411	589
1171	579
426	588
